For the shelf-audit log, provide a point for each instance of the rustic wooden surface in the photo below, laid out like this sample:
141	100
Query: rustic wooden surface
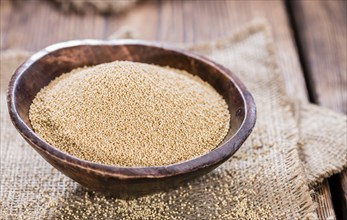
34	24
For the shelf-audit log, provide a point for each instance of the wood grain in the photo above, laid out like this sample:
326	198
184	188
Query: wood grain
5	13
322	34
343	177
33	24
322	31
174	21
322	197
339	193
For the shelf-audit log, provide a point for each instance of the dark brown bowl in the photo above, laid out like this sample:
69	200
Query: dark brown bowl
51	62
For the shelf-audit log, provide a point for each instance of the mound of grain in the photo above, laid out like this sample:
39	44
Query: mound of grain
130	114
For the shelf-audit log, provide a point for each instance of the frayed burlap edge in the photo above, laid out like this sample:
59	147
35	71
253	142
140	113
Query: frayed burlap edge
98	6
323	141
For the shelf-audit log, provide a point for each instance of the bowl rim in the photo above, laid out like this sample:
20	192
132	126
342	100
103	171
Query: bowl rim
216	156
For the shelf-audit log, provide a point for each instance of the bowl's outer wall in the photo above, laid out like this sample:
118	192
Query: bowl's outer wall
41	71
117	186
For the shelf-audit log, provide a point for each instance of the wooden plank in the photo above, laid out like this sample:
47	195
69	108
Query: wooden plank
173	21
343	177
322	28
322	31
34	24
322	197
339	193
5	12
143	20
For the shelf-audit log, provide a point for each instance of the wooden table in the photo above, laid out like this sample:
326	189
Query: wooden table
310	40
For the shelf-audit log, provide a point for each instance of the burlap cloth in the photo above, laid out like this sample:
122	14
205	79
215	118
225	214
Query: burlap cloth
99	6
292	148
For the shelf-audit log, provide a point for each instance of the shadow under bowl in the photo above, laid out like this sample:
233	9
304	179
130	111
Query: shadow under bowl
41	68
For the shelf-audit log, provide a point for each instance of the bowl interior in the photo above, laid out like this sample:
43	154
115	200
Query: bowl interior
40	72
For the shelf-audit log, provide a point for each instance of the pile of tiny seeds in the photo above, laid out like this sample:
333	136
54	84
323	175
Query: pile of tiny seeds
130	114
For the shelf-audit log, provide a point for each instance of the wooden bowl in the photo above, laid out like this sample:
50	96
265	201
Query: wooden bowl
59	58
